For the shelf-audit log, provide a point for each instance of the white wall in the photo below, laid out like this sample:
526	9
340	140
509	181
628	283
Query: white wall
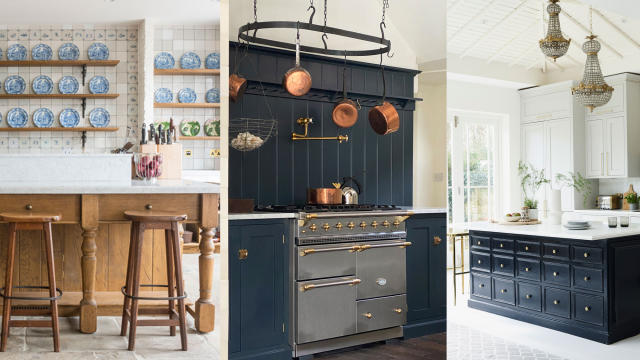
498	100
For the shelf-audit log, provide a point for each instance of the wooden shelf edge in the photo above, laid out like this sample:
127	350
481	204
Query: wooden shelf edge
59	62
75	129
199	138
186	105
186	71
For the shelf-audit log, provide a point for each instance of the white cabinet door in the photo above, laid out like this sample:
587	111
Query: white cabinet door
594	140
533	144
616	146
559	156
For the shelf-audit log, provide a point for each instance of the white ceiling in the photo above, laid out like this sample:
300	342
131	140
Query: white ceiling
507	32
108	11
422	24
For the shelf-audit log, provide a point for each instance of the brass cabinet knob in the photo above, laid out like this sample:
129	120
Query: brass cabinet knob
481	286
502	266
586	255
29	207
528	296
367	315
363	225
587	308
339	226
479	242
326	227
556	302
148	207
351	225
587	278
437	240
398	310
526	248
313	227
479	261
374	224
386	223
526	269
503	291
554	251
396	223
501	245
243	253
555	273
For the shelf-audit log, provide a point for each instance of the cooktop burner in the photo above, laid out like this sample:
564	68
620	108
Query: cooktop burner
325	208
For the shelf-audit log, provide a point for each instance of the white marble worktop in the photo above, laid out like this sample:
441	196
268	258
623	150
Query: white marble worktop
616	212
262	216
424	210
598	231
96	187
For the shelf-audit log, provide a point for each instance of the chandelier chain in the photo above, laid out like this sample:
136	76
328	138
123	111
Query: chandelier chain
591	19
255	10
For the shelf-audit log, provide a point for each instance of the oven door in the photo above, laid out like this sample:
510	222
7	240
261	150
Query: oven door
323	261
381	265
326	308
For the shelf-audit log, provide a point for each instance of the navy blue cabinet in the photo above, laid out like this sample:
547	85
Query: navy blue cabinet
258	301
426	275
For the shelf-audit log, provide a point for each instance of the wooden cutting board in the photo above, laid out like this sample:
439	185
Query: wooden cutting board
625	205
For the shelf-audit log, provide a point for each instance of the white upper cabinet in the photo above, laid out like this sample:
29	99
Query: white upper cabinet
546	102
594	139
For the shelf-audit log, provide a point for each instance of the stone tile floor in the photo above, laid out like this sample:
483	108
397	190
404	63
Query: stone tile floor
151	342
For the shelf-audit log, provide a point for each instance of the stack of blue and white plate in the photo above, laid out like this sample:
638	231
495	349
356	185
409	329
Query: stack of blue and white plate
577	225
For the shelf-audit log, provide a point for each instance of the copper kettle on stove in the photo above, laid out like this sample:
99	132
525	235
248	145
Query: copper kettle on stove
349	194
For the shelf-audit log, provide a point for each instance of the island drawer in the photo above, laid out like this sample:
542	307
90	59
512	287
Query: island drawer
587	254
557	302
503	265
528	269
556	273
589	309
587	278
502	245
480	261
556	251
529	296
531	248
504	291
112	206
480	242
67	206
481	285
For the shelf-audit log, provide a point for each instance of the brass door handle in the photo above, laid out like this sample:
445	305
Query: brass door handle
368	315
306	252
437	240
335	283
243	253
403	245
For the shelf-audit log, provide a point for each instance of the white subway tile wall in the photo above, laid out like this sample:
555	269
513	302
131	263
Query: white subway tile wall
122	41
177	40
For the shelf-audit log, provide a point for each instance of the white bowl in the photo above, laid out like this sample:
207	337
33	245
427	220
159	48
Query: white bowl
512	218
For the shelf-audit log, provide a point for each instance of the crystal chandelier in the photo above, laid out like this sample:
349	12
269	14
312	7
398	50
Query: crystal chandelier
554	45
592	91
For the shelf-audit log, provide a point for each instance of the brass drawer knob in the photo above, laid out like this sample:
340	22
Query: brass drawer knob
479	261
501	245
556	302
586	255
351	225
386	223
398	310
587	308
587	278
243	253
339	226
29	207
528	296
313	227
326	227
555	273
554	251
367	315
526	248
374	224
481	286
148	207
503	291
502	266
479	242
437	240
526	269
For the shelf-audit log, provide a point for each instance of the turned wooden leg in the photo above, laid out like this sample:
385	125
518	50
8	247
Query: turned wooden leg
88	305
205	310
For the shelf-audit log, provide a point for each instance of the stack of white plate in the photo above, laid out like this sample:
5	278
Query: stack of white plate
577	225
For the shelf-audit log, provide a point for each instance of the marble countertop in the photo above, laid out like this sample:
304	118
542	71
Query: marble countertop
616	212
288	215
598	231
135	187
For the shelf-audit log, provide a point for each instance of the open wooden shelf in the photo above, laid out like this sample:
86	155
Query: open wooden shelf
59	62
186	71
186	105
59	96
198	137
73	129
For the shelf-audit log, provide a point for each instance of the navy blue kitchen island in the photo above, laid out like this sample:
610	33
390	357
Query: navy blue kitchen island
582	282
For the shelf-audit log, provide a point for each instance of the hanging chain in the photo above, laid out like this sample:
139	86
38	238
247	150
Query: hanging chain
324	34
313	12
255	10
385	6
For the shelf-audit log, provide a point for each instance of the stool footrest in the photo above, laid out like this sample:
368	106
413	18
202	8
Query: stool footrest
30	323
30	310
124	292
2	290
158	322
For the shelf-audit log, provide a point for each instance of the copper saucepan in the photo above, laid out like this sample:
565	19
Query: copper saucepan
325	196
384	118
345	113
237	86
297	81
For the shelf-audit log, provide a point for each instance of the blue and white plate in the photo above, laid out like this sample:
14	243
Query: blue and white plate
164	60
190	60
99	85
213	95
17	118
69	118
0	54
43	118
99	117
68	51
163	95
187	95
42	84
212	61
17	52
98	51
68	85
14	84
41	52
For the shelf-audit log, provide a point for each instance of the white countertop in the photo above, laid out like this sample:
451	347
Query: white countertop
617	212
598	231
424	210
262	216
211	176
83	187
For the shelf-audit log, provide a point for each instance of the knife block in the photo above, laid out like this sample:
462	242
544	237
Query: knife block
171	161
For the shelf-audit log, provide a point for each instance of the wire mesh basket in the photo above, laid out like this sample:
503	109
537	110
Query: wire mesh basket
247	134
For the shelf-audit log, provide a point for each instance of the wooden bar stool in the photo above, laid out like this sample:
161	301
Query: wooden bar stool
30	221
148	220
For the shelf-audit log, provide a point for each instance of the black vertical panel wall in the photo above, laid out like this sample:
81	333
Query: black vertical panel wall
281	170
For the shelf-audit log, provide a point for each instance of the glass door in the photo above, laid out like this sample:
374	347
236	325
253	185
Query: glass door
472	149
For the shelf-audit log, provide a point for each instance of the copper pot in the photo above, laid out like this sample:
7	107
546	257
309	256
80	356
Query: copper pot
345	113
297	81
384	119
237	86
324	196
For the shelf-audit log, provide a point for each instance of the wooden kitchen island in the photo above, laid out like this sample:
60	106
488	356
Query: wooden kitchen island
91	242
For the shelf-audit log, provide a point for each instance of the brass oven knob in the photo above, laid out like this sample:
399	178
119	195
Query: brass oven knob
556	302
339	226
326	227
586	254
363	225
528	296
396	223
374	224
351	225
398	310
386	223
555	273
587	308
367	315
313	227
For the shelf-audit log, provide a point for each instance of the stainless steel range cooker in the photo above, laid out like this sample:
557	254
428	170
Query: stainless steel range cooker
348	277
